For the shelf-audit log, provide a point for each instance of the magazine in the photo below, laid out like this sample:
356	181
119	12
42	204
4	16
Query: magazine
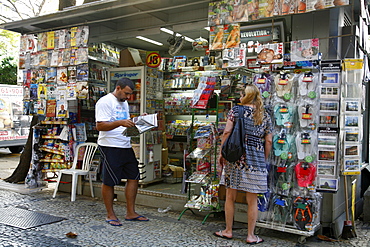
142	124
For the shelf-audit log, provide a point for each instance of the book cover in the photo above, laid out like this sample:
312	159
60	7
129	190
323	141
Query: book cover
51	108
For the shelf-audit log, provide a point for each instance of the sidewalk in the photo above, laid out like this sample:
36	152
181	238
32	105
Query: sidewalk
86	217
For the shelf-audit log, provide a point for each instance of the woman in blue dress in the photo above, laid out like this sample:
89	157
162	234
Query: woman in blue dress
249	173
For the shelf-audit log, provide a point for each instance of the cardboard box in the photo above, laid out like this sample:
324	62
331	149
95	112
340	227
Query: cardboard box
177	171
131	57
240	196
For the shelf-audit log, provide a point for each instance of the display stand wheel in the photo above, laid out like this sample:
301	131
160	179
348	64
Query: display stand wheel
302	239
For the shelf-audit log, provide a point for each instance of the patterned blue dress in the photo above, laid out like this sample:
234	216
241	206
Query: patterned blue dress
250	172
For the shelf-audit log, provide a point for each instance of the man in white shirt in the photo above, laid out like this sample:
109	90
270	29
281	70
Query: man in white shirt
118	158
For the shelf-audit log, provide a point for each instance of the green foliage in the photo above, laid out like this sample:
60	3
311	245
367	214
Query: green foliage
8	71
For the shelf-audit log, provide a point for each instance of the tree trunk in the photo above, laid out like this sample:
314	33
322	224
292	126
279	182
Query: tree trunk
66	3
20	173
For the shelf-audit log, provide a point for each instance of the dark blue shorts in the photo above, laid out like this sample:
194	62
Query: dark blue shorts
117	164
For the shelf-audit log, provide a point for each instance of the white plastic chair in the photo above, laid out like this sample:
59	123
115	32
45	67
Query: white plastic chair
89	149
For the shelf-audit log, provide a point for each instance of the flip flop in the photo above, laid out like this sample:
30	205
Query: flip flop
110	222
220	235
137	218
259	240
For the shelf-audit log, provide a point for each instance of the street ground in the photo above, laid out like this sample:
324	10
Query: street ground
86	218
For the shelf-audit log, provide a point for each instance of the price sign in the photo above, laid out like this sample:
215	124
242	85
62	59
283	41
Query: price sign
153	60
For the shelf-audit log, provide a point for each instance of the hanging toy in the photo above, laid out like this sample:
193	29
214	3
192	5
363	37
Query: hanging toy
200	44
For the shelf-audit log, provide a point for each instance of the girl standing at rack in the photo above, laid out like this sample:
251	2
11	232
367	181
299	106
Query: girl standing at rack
249	173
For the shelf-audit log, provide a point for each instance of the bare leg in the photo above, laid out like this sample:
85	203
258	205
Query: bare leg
108	196
130	193
229	212
252	216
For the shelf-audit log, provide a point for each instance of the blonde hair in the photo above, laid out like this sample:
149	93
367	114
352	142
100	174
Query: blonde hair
252	95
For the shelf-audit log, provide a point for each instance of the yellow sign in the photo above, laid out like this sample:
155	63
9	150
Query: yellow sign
153	59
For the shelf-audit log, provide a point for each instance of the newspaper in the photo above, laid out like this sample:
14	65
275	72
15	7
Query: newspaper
142	124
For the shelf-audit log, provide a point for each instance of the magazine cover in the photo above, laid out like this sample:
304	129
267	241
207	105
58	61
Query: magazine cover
42	91
42	43
33	91
51	75
40	105
73	56
82	55
51	91
82	72
51	108
73	38
71	91
253	10
50	40
26	93
233	57
22	61
266	8
56	39
270	53
66	56
71	73
32	43
60	58
80	132
216	37
232	35
82	36
240	11
27	61
43	59
220	12
41	76
26	107
82	89
302	6
61	109
62	77
54	62
61	93
289	7
302	50
62	38
34	60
